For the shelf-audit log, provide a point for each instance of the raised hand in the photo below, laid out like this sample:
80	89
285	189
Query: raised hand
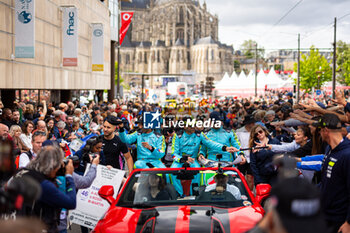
231	149
339	98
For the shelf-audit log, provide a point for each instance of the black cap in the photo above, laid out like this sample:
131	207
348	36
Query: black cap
298	204
112	120
215	116
328	120
248	119
96	108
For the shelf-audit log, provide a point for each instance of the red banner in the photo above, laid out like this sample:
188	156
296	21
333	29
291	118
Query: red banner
126	20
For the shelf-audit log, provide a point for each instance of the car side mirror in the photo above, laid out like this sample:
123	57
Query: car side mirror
107	192
262	192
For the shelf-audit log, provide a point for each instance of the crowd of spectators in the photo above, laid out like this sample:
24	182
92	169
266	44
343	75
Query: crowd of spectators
314	132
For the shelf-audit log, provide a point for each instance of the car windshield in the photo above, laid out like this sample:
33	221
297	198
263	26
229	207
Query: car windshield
150	187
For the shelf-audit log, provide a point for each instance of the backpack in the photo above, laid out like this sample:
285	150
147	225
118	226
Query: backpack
28	153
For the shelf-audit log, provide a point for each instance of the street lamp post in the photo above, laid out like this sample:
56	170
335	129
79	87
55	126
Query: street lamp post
256	69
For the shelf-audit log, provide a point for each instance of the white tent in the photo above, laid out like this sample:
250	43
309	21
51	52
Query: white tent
244	86
242	75
234	75
273	80
223	81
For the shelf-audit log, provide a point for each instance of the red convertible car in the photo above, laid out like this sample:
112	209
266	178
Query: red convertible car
212	200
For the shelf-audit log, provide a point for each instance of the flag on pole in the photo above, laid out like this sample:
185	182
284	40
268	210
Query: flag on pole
126	20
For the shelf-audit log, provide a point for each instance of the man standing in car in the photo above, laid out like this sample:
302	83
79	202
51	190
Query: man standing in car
113	146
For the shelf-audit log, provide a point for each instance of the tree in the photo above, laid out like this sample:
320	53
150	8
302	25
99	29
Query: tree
248	48
121	80
237	66
343	62
278	67
314	70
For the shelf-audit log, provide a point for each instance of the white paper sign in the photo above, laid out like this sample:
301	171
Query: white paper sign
76	144
24	28
90	206
97	47
238	160
70	36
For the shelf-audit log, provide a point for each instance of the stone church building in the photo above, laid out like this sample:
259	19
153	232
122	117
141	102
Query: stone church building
172	37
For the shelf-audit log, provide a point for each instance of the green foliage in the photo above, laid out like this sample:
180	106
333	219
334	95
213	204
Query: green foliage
343	63
314	70
121	80
237	66
248	48
278	67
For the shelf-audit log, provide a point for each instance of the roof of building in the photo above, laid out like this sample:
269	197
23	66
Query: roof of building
160	43
127	43
205	40
158	2
209	40
179	42
144	44
136	4
248	61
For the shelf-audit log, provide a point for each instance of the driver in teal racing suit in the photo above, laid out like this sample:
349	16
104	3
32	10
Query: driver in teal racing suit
150	146
220	135
187	146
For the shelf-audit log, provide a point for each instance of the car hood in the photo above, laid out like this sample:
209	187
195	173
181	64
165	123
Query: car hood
180	219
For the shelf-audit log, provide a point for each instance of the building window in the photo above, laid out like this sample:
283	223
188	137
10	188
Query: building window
212	55
181	15
178	55
180	34
158	56
140	57
127	59
145	57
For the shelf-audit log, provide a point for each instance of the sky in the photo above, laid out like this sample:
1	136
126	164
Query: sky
275	24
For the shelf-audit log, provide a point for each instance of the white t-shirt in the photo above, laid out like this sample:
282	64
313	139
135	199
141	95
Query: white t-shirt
24	159
229	188
243	137
27	140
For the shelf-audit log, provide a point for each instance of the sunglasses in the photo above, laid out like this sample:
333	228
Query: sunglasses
259	132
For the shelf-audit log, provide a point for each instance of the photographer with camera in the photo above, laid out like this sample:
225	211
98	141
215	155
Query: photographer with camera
91	150
82	182
43	169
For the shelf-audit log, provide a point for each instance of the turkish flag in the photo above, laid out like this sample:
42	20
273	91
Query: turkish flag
126	20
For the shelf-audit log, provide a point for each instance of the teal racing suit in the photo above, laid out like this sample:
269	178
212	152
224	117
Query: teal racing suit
145	155
225	137
185	144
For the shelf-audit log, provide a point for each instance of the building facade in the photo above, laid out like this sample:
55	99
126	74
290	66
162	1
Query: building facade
172	37
45	71
287	58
